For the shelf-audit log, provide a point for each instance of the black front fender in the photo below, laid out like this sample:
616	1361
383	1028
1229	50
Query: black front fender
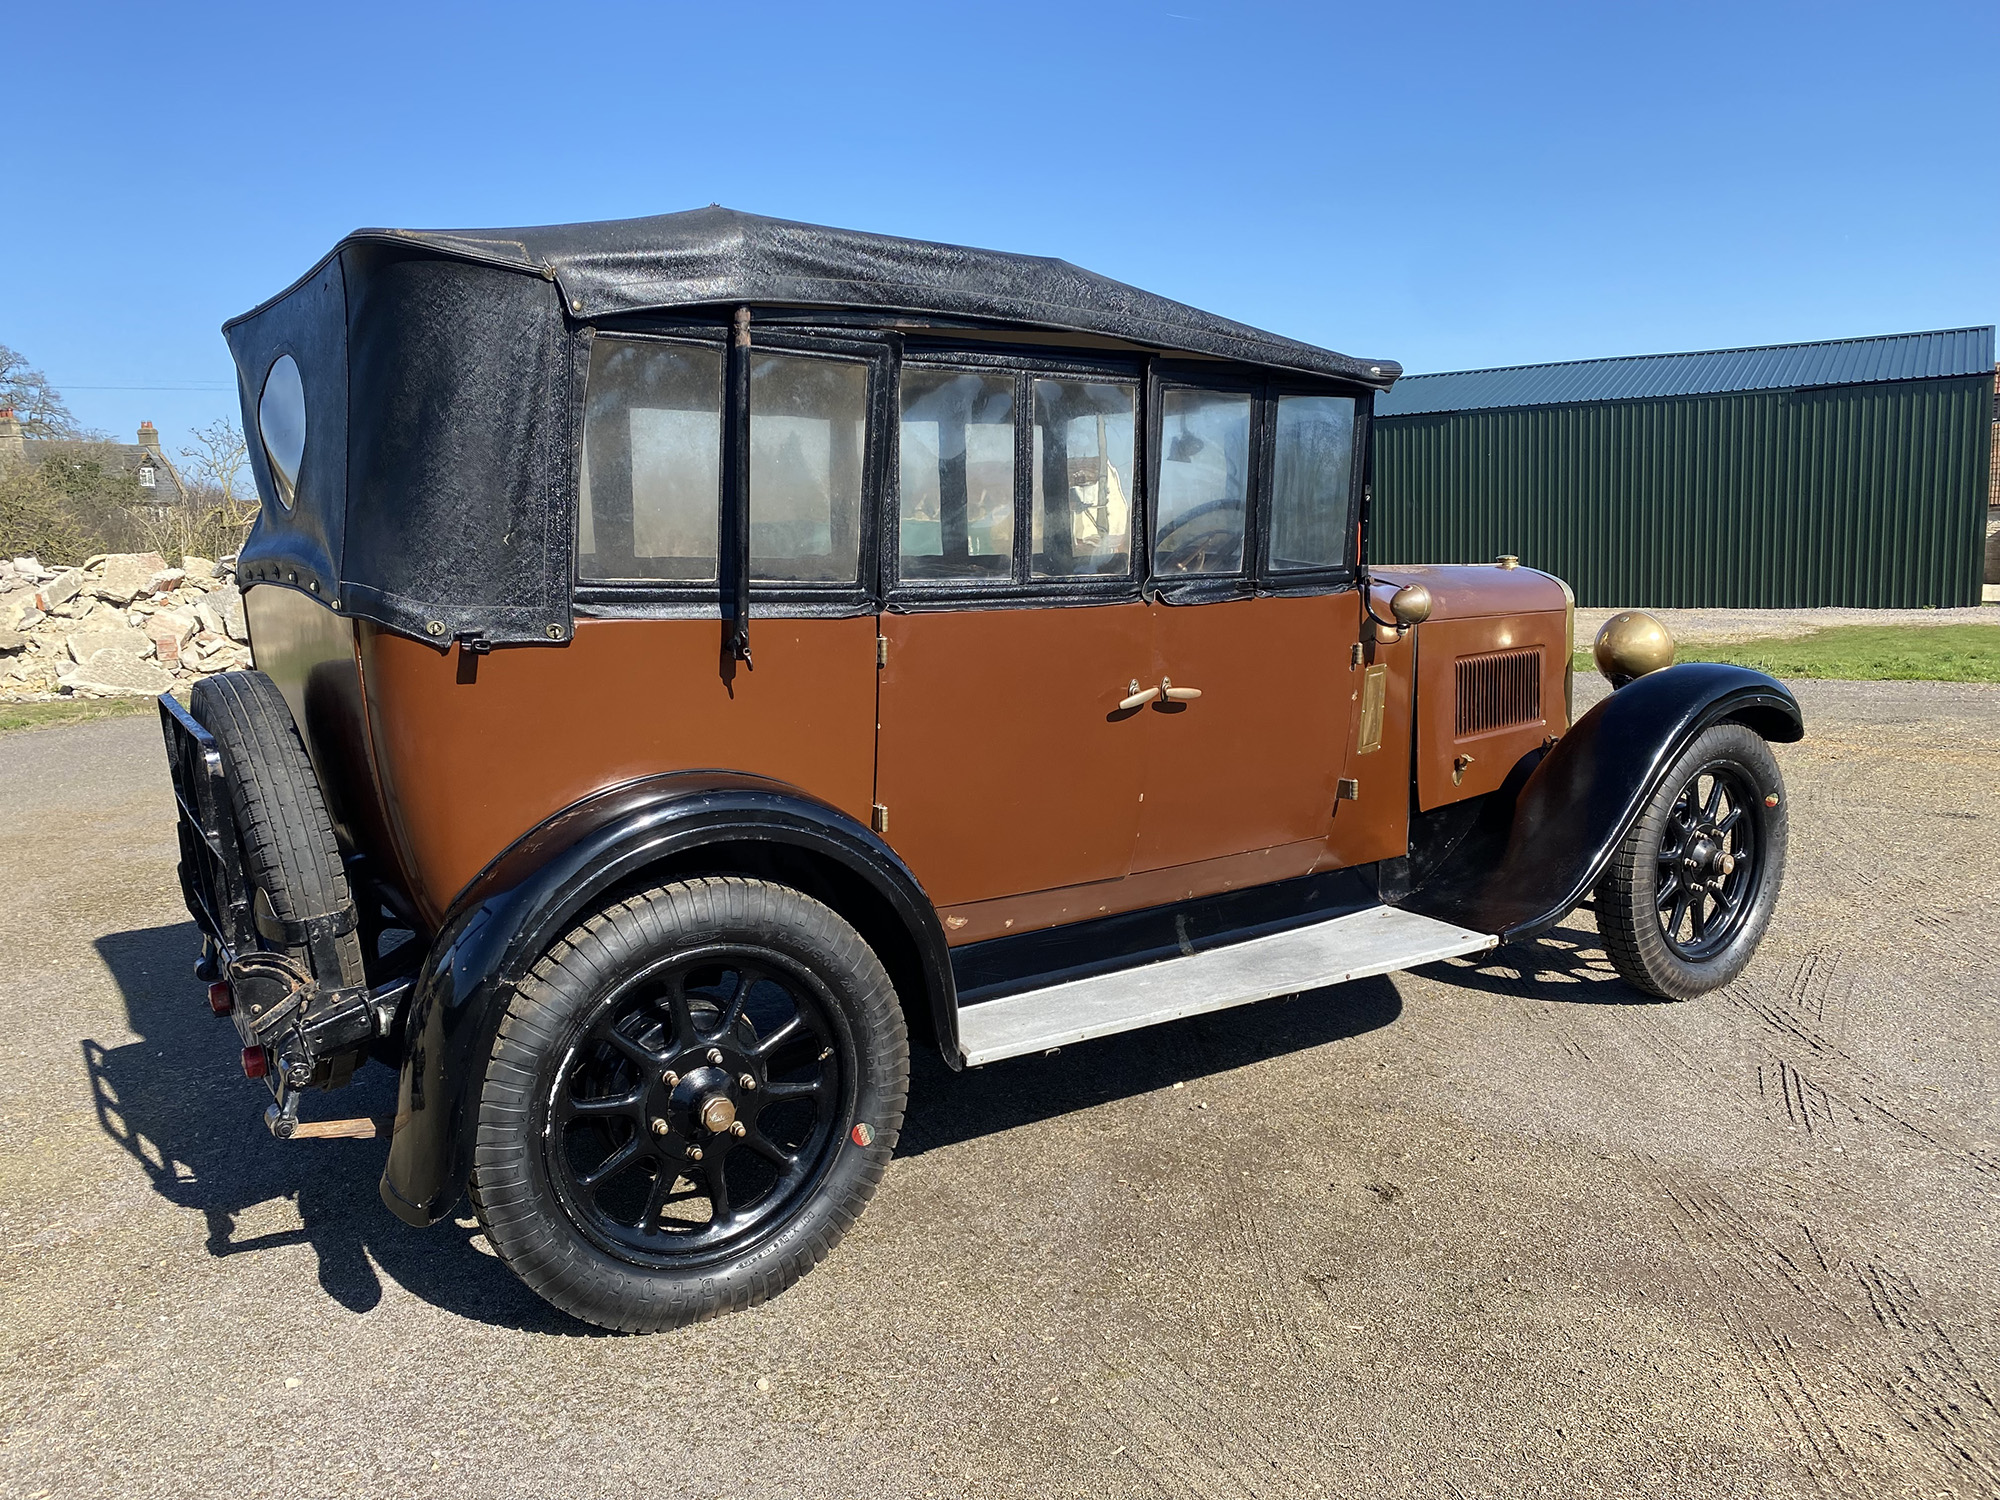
539	887
1533	849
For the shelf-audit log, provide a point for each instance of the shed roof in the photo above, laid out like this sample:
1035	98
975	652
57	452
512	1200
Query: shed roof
1863	361
718	256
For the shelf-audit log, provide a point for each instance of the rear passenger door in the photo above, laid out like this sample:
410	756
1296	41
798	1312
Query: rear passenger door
1013	630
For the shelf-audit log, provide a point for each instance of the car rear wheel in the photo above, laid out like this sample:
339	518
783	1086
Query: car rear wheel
688	1102
1691	889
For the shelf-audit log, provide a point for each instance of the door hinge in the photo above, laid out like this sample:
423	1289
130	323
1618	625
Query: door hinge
881	651
880	820
1357	655
1348	790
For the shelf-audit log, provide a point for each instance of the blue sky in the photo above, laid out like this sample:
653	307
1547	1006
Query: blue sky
1446	185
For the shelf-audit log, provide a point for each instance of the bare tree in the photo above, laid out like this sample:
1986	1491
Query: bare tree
39	405
218	466
219	505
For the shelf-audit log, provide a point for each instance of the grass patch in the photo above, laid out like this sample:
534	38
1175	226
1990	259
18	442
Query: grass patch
1862	653
72	711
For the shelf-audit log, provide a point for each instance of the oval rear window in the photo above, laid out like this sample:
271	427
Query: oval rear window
281	422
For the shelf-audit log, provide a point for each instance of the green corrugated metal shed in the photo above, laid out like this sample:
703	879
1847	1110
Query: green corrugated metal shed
1845	473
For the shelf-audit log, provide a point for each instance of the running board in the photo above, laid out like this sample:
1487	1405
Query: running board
1356	946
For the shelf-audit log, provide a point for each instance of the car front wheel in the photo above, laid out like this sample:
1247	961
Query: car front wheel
688	1102
1691	889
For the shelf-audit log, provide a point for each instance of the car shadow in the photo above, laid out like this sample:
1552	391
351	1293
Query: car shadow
947	1108
1566	965
176	1101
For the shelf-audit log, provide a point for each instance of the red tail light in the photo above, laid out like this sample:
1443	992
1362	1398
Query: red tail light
256	1062
221	999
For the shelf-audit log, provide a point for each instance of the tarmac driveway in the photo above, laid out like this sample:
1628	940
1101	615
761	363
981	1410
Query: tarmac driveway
1494	1229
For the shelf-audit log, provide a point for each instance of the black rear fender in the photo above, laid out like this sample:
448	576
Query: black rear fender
1522	859
624	840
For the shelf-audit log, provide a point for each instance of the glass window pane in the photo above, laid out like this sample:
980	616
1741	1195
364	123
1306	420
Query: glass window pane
957	466
1204	482
1312	482
808	423
1081	515
650	491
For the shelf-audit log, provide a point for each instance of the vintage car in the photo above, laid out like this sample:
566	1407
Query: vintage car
694	654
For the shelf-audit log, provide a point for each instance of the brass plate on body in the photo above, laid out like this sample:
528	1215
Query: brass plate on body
1374	699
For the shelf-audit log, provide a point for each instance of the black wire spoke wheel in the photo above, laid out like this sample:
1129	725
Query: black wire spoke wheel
1708	862
1692	886
700	1102
689	1099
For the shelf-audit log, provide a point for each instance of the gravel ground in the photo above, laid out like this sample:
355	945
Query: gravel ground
1716	626
1497	1228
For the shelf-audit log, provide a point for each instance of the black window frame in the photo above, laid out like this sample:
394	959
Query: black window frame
1255	576
675	598
1026	362
1321	579
879	585
1170	375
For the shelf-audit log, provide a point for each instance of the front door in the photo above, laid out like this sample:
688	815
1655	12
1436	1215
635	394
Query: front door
1254	763
1254	622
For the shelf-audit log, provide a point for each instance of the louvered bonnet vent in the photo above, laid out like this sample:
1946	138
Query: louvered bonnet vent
1498	690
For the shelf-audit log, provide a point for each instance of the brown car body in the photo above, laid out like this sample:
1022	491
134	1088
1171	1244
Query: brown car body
445	760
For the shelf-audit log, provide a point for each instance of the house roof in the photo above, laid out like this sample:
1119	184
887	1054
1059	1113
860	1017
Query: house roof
718	257
121	458
1862	361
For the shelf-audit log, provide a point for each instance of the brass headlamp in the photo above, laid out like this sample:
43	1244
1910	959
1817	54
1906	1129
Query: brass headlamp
1631	644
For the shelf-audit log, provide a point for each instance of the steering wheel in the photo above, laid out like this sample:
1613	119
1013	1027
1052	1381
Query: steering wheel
1212	529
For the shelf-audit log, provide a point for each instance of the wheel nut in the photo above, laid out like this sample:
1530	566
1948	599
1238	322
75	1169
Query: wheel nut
670	1078
747	1084
738	1129
694	1153
715	1056
661	1127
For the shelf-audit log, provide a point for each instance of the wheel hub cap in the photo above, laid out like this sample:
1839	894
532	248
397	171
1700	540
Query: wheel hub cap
717	1113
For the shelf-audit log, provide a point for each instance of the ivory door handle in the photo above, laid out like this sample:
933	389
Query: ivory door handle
1137	698
1178	695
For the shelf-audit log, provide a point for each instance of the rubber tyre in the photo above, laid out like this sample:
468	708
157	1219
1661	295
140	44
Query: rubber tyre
1627	914
282	823
511	1188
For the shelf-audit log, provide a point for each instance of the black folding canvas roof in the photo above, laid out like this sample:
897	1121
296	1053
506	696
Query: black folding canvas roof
715	256
443	373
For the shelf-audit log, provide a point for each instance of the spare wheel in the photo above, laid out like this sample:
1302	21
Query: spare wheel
290	859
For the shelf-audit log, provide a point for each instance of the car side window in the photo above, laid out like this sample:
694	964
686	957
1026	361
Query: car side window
1081	478
956	464
808	442
1202	503
1312	483
650	486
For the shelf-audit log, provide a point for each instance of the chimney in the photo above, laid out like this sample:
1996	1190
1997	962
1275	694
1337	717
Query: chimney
11	442
149	437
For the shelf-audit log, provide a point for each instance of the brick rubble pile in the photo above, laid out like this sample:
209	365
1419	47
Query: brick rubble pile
119	625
